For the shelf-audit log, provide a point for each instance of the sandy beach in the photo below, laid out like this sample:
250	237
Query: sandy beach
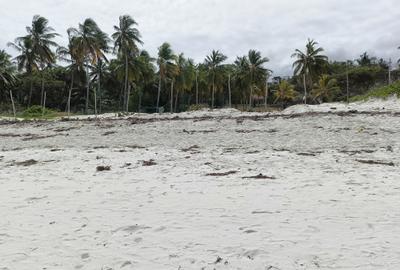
204	190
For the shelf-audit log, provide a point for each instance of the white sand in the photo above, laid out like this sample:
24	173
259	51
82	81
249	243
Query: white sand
323	210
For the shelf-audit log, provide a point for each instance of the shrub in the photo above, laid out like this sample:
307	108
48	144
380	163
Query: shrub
198	107
380	92
38	112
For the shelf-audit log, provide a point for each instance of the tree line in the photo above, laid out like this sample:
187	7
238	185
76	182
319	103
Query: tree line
96	73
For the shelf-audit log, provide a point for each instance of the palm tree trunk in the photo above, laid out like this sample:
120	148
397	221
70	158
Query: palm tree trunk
99	87
121	98
13	105
251	97
266	94
95	101
30	92
305	88
172	96
347	83
69	94
140	100
158	94
44	104
42	91
251	91
87	88
126	82
127	97
197	87
213	93
229	91
176	101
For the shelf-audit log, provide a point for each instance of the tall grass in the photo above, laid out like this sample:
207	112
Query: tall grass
380	92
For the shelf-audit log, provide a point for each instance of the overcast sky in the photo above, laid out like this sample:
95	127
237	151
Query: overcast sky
344	28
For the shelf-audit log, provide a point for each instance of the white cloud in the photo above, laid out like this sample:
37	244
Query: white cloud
344	28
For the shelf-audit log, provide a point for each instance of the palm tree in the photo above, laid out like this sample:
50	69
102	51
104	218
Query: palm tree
90	43
285	93
26	60
42	37
309	63
36	48
398	61
126	37
257	71
140	72
214	64
166	67
147	72
178	79
325	89
7	70
241	76
7	76
71	55
366	60
184	77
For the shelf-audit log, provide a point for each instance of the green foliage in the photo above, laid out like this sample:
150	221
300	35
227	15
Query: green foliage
38	112
198	107
380	92
325	90
311	62
285	93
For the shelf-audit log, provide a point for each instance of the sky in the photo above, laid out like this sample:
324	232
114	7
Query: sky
344	28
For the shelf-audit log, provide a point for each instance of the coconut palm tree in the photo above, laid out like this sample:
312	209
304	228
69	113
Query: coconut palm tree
214	64
100	65
241	77
309	63
166	67
36	47
140	72
126	38
257	71
42	37
7	76
91	43
184	77
7	70
285	93
398	61
75	58
366	60
325	89
147	72
26	60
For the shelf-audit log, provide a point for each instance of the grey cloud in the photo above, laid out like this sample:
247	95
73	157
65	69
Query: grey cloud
344	28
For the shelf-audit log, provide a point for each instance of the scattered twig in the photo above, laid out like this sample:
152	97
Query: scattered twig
375	162
150	162
27	163
260	176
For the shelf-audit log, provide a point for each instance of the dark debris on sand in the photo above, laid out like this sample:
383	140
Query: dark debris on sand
147	163
103	168
222	174
375	162
260	176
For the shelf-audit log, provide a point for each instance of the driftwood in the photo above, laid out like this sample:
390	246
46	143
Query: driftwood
222	174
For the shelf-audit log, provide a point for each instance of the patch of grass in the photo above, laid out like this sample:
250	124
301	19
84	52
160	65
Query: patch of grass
198	107
380	92
37	112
